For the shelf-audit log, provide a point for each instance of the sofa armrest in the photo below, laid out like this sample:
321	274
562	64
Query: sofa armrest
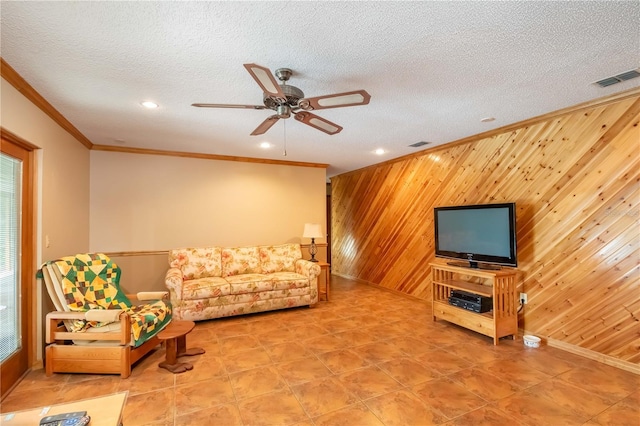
56	332
308	268
173	280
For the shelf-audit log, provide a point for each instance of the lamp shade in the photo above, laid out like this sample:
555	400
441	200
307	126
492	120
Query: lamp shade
312	230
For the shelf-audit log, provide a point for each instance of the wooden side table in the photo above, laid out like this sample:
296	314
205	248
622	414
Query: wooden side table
324	266
175	337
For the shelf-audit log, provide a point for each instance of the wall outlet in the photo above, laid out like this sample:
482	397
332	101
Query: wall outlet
524	298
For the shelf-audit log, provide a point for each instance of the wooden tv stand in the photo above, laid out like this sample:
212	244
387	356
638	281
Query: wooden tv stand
501	321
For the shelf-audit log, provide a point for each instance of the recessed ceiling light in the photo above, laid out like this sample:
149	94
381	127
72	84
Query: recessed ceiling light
149	104
379	151
487	119
265	145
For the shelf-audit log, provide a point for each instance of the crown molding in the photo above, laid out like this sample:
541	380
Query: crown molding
21	85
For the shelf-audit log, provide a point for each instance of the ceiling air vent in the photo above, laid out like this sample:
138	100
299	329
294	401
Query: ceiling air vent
418	144
618	78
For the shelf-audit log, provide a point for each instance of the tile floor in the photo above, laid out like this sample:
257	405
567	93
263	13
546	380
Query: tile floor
367	357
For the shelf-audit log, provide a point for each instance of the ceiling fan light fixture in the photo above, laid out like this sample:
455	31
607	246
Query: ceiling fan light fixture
283	111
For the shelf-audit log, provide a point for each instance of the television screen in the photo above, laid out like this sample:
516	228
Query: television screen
484	233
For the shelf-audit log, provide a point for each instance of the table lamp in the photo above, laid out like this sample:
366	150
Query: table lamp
313	231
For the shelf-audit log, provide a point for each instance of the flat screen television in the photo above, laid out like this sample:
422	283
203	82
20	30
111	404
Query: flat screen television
483	235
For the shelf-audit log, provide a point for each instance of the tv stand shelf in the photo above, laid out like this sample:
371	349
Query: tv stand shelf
501	321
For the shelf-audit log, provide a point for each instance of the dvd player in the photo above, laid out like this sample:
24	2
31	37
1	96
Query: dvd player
470	301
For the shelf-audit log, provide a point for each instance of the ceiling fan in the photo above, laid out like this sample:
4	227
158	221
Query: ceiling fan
286	100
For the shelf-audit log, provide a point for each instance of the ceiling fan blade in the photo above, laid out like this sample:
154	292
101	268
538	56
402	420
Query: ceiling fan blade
265	125
265	80
337	100
318	122
229	106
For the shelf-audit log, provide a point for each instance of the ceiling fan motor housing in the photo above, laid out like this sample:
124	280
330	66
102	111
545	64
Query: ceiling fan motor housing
292	93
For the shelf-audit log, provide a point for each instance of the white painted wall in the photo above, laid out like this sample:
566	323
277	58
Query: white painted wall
145	202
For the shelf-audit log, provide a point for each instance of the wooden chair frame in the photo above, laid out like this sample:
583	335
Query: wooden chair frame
63	356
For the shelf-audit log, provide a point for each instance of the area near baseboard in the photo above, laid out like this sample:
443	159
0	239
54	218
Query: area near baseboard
390	290
605	359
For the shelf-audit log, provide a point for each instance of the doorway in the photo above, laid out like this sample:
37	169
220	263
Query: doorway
16	260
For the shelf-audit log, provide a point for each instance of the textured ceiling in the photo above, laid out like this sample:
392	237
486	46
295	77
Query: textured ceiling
433	69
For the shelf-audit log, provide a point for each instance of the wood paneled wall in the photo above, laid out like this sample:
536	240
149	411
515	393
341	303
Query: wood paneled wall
575	178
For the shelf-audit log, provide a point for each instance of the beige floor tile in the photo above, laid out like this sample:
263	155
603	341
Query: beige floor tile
145	408
355	415
224	415
320	352
258	381
448	397
143	381
246	360
442	361
236	344
411	346
408	372
484	384
322	396
484	416
92	388
276	408
545	362
356	337
515	372
288	351
343	324
228	328
583	403
624	413
535	410
608	382
369	382
37	379
19	400
403	408
205	367
301	371
477	353
323	344
377	352
197	396
342	360
276	338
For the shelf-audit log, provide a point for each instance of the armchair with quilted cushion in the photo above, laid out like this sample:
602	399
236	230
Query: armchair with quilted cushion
96	328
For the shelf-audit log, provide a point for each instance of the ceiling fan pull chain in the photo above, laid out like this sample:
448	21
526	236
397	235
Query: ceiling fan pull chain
284	123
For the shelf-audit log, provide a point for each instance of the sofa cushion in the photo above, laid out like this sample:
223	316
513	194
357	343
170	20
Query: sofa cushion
249	283
197	262
203	288
280	258
240	260
288	280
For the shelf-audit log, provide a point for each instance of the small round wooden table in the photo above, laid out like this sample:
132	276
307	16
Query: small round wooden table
175	337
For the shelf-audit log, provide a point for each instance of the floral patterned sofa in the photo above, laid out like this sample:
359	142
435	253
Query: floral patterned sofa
213	282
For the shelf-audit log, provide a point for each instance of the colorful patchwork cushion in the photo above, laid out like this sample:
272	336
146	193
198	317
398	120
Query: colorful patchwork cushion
91	281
